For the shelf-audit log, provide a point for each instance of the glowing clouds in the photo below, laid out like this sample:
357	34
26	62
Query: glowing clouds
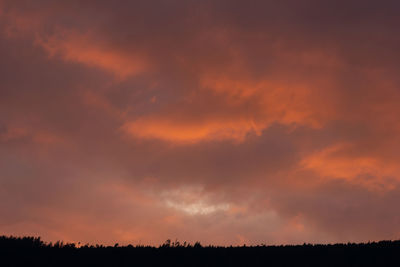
148	128
197	208
83	49
245	108
341	161
192	201
216	121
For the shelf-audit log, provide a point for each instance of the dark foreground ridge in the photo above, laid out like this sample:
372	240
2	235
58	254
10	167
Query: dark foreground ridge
31	251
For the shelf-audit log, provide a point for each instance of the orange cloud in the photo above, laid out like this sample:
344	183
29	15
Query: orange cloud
80	45
181	132
246	107
274	101
82	48
339	162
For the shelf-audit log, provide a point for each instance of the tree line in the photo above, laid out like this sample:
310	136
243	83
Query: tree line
32	251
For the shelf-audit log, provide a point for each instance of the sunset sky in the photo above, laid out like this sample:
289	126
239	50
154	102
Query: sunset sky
219	121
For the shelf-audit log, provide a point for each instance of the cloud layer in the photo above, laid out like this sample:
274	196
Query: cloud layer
225	122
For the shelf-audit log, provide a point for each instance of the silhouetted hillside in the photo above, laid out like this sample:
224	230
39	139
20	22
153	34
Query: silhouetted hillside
30	251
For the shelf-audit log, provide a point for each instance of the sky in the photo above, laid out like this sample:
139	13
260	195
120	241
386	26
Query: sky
226	122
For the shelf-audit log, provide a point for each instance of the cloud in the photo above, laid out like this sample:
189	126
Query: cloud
224	122
192	201
83	49
244	108
337	162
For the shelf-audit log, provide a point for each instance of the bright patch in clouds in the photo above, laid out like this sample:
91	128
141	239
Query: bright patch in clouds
192	201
